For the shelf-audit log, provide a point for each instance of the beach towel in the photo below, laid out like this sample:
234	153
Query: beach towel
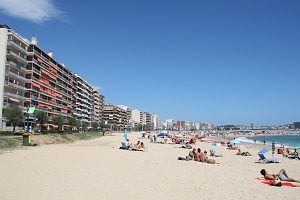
283	183
202	163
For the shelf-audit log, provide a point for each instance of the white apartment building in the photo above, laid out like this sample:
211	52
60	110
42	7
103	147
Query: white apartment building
156	122
84	110
136	116
13	62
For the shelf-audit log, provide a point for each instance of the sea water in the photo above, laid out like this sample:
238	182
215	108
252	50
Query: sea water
289	141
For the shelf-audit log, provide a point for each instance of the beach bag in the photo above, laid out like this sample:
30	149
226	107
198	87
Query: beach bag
211	161
276	182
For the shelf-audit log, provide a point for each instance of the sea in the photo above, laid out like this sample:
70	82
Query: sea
289	141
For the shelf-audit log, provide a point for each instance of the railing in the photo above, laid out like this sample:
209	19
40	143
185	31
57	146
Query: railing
16	56
16	45
14	85
10	62
15	75
9	94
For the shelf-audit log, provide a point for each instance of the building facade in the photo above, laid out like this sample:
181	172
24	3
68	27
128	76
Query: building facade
114	115
30	77
13	62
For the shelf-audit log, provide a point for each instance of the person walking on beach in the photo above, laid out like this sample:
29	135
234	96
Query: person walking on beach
282	175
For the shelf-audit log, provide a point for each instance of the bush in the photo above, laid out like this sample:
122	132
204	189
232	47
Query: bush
6	133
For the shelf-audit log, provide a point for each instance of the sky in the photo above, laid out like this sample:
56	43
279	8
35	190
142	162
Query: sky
215	61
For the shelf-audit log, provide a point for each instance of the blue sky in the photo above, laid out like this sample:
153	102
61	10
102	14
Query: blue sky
218	61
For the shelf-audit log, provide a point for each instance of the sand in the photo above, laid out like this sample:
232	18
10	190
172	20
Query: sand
98	169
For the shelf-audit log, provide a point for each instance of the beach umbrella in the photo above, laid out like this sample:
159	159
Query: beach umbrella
161	135
193	138
263	151
236	141
273	148
179	135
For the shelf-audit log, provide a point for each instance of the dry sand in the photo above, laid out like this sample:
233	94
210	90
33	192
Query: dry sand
98	169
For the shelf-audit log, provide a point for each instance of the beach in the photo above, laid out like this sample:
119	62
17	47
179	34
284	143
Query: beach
98	169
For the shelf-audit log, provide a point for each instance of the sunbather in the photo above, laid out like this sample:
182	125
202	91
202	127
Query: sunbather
191	155
187	145
136	146
282	175
245	153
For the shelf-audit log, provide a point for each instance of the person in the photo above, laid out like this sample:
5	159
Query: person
294	154
197	155
187	145
203	157
137	145
282	175
245	153
165	139
191	155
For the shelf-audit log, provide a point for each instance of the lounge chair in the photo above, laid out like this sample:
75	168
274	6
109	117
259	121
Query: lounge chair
213	153
124	146
263	159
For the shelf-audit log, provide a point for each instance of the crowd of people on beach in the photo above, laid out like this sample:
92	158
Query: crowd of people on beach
187	141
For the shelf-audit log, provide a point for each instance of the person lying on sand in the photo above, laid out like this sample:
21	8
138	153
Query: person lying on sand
136	146
282	175
245	153
187	146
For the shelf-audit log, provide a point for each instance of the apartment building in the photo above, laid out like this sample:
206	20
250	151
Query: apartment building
180	125
114	115
156	121
128	117
98	105
31	77
49	83
84	100
148	120
13	62
137	116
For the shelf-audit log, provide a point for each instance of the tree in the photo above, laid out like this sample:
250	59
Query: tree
95	125
58	120
42	118
73	122
85	125
14	115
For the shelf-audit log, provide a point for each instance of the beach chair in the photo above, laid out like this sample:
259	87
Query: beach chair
263	159
124	146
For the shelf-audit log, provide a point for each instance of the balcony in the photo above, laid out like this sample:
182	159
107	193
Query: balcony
15	45
16	56
15	65
14	95
15	75
14	85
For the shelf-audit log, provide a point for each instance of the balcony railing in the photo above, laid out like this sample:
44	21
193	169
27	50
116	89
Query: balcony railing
11	42
17	96
16	56
15	85
10	62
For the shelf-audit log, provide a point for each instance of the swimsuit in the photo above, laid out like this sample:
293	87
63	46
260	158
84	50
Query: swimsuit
282	176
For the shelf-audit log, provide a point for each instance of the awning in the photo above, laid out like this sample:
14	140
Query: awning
15	100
